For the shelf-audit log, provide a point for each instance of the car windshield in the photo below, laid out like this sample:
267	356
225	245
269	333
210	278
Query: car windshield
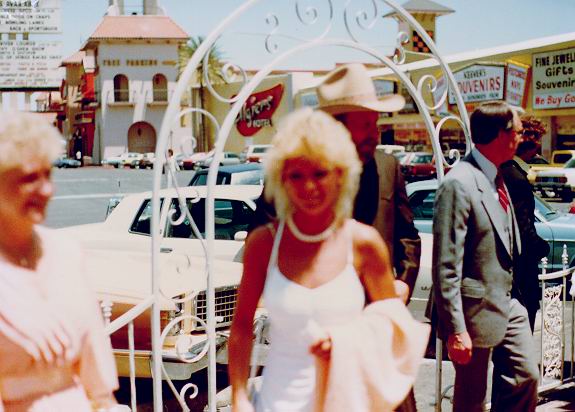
562	157
260	149
545	209
422	159
231	216
201	179
570	164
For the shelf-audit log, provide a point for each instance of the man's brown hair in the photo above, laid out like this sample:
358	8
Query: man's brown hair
488	119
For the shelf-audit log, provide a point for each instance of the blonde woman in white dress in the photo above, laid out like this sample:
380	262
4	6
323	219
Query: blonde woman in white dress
54	353
314	267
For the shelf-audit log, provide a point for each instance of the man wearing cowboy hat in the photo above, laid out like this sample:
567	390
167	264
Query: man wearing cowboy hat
349	95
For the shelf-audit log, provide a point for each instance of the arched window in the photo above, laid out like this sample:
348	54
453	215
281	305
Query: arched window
160	85
121	88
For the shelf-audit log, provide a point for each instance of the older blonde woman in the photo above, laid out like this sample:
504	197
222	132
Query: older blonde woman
314	267
54	354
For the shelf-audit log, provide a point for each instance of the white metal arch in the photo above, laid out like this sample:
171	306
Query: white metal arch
174	111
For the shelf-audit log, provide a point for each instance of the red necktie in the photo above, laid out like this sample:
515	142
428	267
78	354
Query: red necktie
503	199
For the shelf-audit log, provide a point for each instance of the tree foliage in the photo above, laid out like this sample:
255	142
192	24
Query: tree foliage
215	62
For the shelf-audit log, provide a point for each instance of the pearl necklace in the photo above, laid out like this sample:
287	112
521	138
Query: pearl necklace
299	235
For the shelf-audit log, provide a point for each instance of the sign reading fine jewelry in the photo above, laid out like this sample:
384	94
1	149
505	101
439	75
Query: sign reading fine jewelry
258	109
554	79
480	82
30	16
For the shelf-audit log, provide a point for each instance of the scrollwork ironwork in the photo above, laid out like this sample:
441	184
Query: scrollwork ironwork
552	342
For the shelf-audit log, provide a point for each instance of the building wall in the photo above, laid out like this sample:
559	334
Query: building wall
139	62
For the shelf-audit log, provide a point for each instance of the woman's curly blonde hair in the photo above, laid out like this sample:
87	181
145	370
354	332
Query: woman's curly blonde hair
24	136
318	136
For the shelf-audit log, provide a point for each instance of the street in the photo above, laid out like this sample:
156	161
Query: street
82	195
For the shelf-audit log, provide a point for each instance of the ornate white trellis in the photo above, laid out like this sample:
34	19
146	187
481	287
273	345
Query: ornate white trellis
356	19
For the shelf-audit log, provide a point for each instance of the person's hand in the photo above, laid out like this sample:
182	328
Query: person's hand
459	348
321	347
401	290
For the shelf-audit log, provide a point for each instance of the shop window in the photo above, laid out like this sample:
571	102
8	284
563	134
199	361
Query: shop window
121	88
160	87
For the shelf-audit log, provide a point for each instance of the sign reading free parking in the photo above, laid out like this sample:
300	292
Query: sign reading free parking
554	79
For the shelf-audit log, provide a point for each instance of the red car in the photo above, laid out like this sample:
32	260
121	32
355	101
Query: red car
418	166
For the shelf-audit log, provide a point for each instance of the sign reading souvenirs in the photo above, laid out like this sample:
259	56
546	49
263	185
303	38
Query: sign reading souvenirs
516	84
30	16
554	79
480	82
30	64
258	109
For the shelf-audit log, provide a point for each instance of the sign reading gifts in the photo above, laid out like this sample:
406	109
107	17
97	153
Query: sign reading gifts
258	109
480	82
554	79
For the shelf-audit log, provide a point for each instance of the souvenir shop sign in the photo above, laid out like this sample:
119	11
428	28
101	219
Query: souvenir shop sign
258	109
554	79
30	64
30	16
480	82
516	84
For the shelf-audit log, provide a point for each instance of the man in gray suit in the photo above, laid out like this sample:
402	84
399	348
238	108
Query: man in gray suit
476	240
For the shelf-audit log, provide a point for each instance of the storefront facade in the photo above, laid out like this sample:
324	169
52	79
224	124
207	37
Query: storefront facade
136	61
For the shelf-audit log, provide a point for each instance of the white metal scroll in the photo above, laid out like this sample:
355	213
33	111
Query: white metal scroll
357	17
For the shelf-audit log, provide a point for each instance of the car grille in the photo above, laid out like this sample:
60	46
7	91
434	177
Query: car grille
226	298
551	179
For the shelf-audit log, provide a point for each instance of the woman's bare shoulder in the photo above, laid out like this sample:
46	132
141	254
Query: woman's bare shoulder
364	235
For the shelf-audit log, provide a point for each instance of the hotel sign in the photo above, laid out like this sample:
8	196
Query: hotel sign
554	79
30	16
480	82
30	64
258	109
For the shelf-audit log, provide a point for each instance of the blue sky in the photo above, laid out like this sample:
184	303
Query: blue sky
476	24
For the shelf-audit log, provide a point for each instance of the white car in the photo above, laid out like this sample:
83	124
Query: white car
557	182
254	153
128	159
228	159
118	265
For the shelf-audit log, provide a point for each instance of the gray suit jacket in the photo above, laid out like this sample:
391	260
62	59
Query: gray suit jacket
472	256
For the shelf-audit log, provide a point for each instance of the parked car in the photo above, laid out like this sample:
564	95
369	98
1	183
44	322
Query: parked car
192	161
558	159
242	174
556	183
228	158
555	227
118	264
65	162
128	159
127	227
254	153
418	166
147	161
391	148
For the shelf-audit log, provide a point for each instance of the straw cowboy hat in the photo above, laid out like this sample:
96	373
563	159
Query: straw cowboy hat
349	88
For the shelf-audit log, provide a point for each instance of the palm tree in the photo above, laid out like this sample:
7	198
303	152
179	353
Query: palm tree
215	76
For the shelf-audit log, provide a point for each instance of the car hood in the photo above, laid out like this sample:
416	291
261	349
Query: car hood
125	276
564	219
